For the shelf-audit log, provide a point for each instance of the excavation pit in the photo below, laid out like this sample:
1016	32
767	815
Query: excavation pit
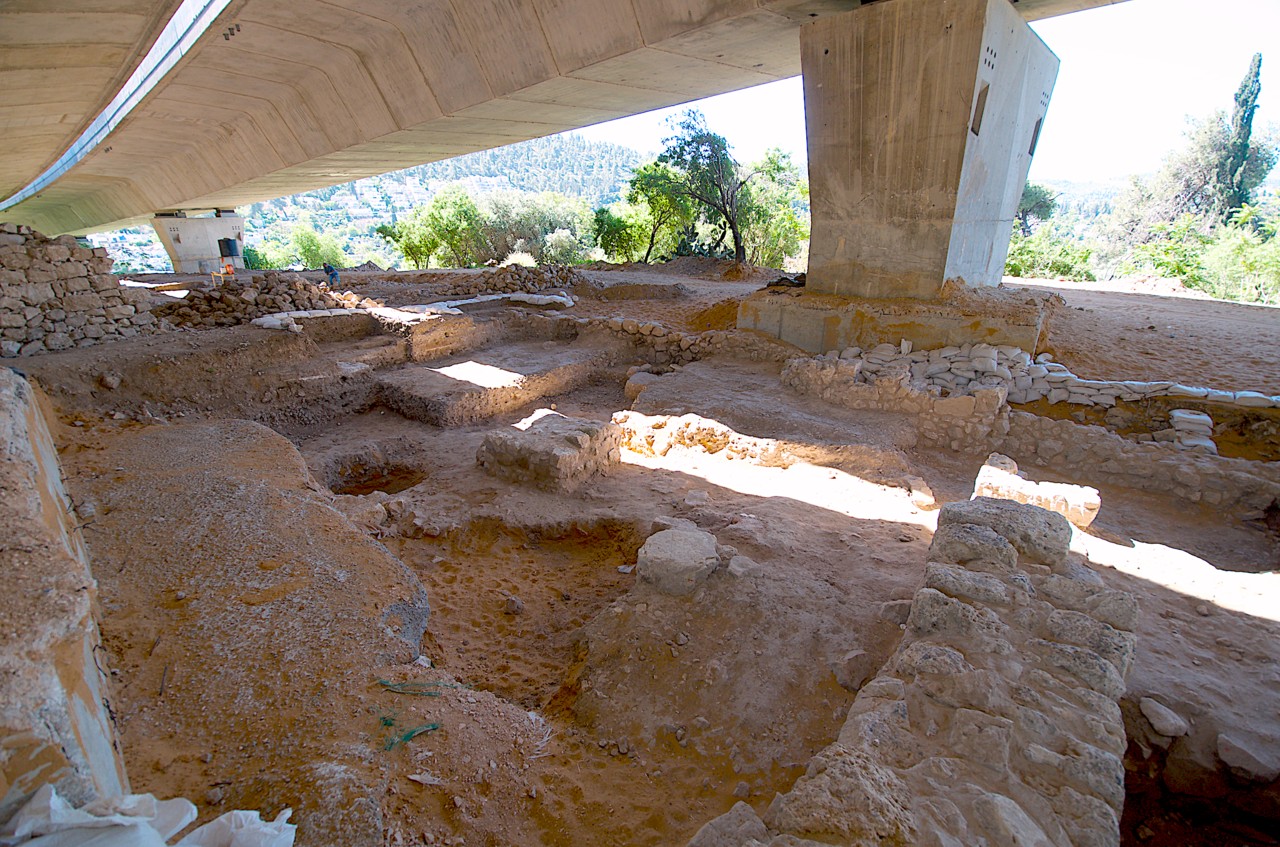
508	603
360	480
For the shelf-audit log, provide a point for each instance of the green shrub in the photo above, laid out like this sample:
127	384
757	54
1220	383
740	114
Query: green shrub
1048	253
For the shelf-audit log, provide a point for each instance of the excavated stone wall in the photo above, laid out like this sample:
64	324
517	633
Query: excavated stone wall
55	295
504	280
996	721
1086	451
955	422
660	345
981	421
55	726
957	369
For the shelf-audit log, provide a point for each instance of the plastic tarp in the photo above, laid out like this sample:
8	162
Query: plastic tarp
139	820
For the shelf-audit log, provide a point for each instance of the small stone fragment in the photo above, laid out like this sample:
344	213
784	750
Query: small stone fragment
1163	719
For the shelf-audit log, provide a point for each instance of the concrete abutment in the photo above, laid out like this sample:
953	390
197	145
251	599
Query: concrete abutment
919	147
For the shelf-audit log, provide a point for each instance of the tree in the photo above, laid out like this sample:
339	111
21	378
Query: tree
1223	164
455	220
775	210
669	211
413	237
703	170
1051	252
519	221
620	236
1037	203
1235	160
257	260
314	249
562	247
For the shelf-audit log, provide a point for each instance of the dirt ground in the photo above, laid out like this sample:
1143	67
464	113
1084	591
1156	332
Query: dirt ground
246	619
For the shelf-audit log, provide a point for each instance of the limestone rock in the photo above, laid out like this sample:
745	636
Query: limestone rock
554	453
895	611
732	829
1008	823
742	566
846	796
853	669
1040	535
1000	478
364	512
677	561
963	544
1163	719
638	383
1251	762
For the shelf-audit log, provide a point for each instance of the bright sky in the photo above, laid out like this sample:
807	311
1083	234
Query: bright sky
1131	74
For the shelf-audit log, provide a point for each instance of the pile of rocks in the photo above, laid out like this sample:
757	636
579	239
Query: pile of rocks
996	720
55	295
236	301
513	278
555	452
959	370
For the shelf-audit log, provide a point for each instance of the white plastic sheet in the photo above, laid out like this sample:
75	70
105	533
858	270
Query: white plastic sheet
139	820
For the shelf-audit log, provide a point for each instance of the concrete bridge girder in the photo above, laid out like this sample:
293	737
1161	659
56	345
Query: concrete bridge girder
315	94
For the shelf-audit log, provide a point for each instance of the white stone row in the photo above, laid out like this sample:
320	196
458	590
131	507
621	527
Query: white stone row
288	320
962	369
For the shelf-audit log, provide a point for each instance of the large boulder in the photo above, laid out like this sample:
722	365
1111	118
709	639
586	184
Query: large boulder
677	561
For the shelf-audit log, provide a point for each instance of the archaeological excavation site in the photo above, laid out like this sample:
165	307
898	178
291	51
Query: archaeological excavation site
601	568
690	552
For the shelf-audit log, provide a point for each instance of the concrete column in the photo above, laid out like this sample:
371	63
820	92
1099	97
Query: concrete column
923	116
192	243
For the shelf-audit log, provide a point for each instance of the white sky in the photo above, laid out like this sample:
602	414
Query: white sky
1131	74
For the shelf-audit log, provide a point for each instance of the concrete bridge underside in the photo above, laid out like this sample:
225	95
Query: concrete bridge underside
311	93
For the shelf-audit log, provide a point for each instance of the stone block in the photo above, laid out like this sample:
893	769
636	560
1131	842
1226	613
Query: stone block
1040	535
54	728
677	561
554	452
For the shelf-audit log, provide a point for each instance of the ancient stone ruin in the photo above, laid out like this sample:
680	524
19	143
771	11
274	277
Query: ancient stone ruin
551	556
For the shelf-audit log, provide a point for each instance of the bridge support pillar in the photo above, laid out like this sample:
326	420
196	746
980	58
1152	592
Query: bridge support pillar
201	245
922	118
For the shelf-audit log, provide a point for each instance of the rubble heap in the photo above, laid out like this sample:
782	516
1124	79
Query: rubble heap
236	301
56	294
513	278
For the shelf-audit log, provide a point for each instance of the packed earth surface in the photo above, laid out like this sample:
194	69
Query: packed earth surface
511	574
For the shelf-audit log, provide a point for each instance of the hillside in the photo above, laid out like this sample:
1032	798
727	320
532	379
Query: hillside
568	164
595	172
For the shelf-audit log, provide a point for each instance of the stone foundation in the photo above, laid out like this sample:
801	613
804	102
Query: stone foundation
55	295
822	322
995	721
